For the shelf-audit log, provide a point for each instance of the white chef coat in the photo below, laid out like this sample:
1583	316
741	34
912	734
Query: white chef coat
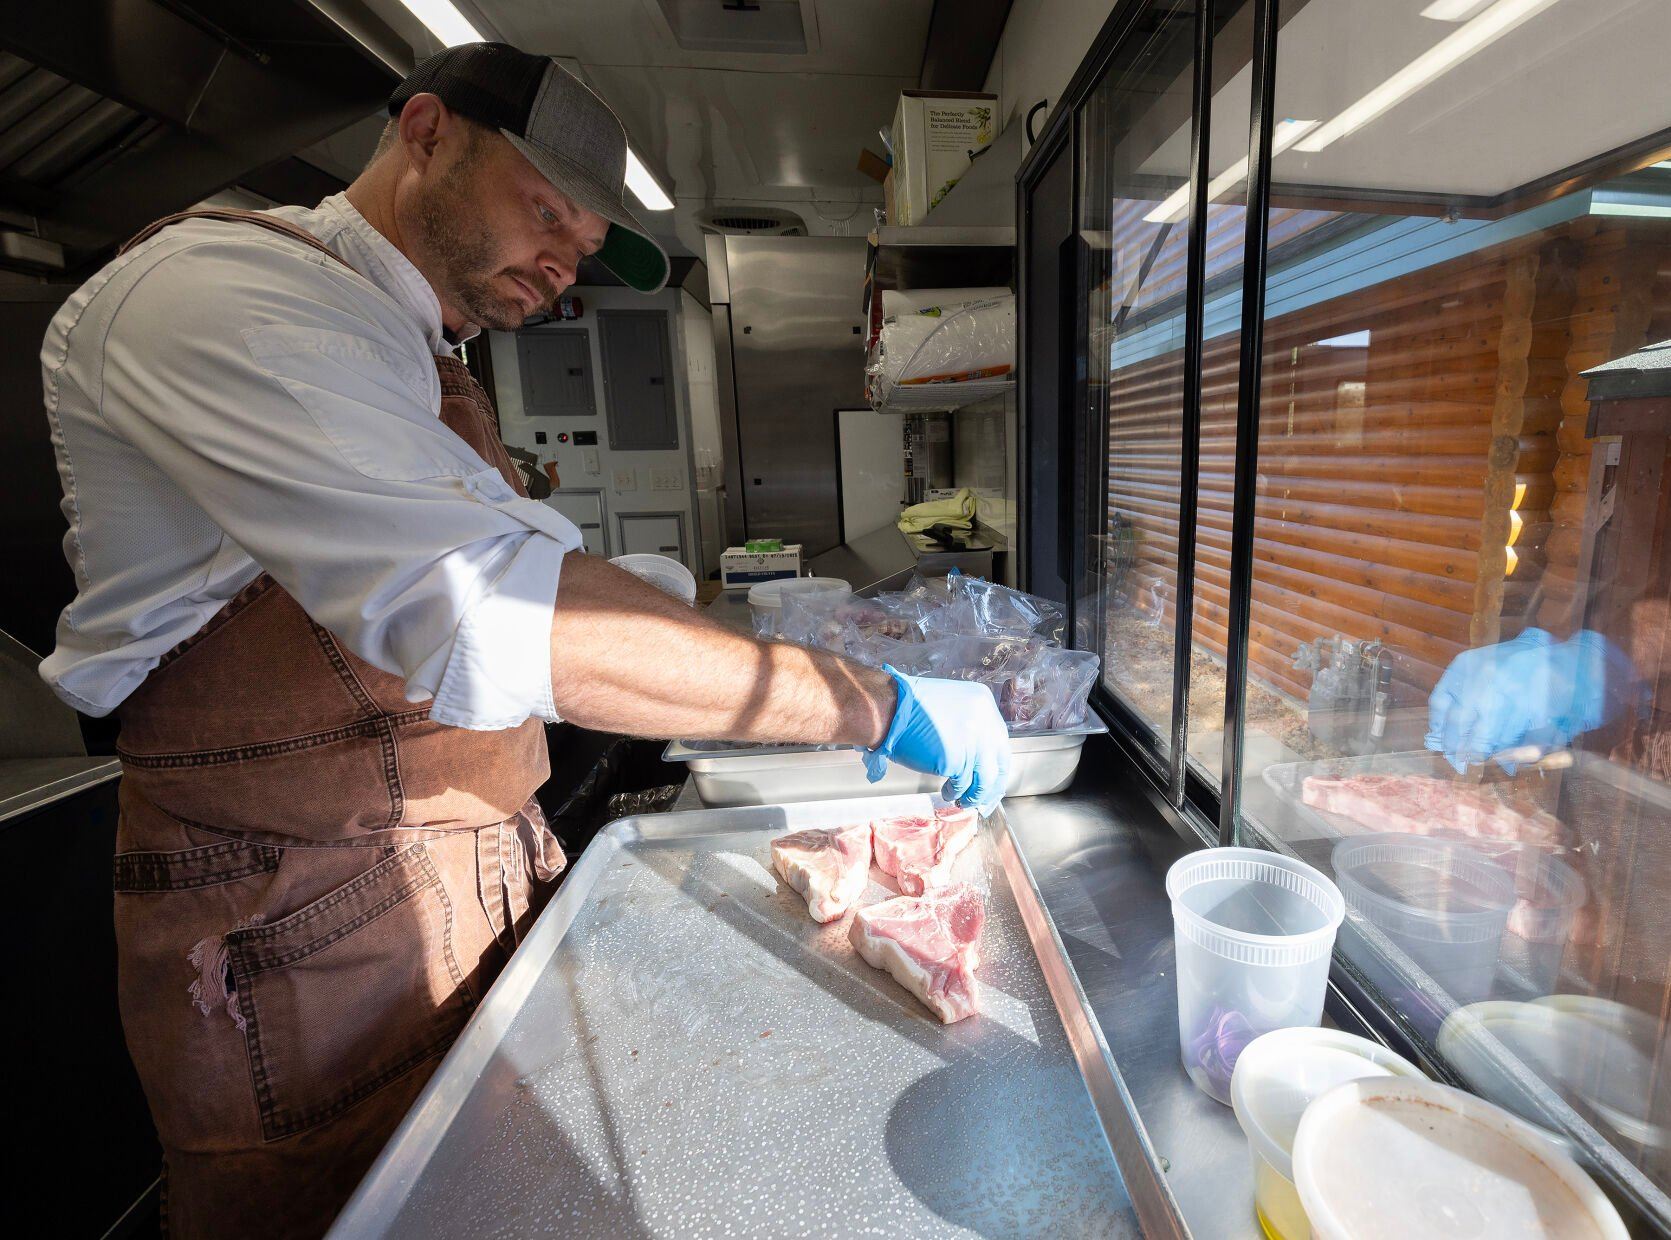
225	400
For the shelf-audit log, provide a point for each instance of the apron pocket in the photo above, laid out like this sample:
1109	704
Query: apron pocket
349	993
186	869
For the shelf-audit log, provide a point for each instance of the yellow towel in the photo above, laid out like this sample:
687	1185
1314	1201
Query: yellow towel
957	512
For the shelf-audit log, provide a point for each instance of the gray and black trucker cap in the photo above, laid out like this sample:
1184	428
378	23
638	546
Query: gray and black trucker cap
563	129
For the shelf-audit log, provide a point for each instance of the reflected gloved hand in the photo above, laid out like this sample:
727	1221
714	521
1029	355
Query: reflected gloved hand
1530	692
950	728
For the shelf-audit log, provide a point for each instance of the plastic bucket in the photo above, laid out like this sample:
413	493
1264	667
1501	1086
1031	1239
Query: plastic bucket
1276	1078
1253	932
1441	902
667	575
765	600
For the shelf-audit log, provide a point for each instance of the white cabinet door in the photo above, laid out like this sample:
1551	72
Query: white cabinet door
660	533
585	509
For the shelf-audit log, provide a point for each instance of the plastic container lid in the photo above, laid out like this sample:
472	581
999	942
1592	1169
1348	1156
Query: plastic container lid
1388	1158
1593	1049
769	594
667	575
1281	1072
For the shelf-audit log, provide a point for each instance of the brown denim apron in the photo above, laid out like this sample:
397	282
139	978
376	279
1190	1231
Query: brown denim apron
315	886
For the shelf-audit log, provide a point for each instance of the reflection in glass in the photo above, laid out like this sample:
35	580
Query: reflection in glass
1134	232
1462	577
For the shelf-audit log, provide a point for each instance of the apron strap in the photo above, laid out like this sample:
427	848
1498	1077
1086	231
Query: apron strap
233	215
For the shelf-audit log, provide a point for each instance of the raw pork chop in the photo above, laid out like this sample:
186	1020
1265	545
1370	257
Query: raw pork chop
829	866
1420	805
929	944
918	851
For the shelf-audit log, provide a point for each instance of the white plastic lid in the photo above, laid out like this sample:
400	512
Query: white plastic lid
1281	1072
769	594
667	575
1588	1047
1388	1159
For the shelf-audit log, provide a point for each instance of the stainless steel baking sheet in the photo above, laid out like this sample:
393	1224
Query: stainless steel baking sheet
679	1050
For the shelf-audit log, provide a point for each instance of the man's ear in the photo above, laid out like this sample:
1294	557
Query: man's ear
422	122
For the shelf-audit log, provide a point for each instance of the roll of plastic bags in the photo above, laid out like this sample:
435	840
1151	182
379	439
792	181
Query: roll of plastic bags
974	342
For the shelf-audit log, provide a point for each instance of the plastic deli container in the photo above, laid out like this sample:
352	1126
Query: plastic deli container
1387	1158
765	601
1253	932
1276	1078
1548	894
1441	902
667	575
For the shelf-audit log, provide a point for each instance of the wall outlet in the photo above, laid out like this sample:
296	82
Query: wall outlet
626	480
665	478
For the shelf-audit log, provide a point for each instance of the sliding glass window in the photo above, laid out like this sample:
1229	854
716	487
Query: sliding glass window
1459	650
1134	226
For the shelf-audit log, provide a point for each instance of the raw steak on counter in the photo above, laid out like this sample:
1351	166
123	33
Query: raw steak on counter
1422	805
929	944
919	851
830	866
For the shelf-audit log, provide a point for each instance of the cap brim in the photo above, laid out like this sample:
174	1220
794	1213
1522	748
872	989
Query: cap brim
628	248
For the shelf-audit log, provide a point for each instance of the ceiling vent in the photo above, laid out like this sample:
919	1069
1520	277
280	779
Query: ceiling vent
771	27
751	222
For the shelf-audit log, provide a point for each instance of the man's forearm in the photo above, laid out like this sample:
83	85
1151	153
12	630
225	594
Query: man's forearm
627	658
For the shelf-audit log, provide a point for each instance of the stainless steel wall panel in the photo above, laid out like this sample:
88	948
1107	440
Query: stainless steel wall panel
797	348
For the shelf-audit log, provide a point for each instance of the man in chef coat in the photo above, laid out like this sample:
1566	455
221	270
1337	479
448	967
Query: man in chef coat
331	624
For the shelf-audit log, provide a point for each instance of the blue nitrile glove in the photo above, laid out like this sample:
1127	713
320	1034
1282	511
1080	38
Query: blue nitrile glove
950	728
1532	691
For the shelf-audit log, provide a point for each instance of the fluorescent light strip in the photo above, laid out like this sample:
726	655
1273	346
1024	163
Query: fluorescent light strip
444	21
1176	205
1640	210
1438	60
1452	10
643	185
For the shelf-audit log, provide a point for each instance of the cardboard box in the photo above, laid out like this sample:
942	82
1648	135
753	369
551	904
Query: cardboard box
935	137
739	568
888	207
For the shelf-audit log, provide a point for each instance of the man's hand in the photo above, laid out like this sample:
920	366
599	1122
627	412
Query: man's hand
950	728
1529	695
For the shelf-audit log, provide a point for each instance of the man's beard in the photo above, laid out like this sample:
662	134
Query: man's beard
467	260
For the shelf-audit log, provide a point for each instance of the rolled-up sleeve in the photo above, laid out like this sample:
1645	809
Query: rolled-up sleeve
301	415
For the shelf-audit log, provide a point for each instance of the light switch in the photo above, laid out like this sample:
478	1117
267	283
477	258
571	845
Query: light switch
626	480
664	478
589	461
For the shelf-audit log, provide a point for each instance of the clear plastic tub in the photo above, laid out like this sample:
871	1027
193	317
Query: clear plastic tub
1439	900
1548	895
765	600
1253	932
1276	1078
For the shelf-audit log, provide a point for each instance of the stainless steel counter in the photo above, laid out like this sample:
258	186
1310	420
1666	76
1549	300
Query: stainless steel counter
1099	855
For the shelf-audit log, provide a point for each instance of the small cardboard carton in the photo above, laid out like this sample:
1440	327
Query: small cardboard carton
740	568
935	137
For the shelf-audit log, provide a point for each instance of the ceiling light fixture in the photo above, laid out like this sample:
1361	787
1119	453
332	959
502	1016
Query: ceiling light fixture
444	21
1443	56
1452	10
1177	204
644	187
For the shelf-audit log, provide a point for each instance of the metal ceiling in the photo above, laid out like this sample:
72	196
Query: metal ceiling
114	112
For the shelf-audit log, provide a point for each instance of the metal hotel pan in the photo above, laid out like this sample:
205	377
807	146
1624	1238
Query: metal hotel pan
678	1049
1044	762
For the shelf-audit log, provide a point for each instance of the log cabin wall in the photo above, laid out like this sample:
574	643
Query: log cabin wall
1390	463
